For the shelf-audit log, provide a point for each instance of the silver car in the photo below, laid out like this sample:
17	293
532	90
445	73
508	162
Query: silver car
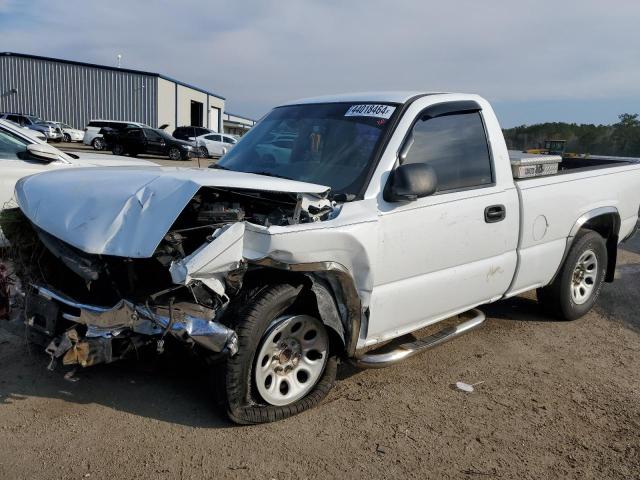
51	131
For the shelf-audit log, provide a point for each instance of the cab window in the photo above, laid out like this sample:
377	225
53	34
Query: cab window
456	147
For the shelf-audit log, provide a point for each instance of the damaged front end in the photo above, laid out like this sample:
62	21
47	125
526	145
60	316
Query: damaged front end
102	334
90	306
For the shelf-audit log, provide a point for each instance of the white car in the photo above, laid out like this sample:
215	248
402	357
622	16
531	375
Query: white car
69	133
394	211
276	150
93	137
22	154
35	134
214	144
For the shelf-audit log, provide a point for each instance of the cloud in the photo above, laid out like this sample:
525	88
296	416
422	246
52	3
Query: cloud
260	53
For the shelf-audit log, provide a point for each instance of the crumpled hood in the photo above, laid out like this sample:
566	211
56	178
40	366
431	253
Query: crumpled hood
126	211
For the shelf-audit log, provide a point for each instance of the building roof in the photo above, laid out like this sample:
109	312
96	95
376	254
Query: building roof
106	67
243	117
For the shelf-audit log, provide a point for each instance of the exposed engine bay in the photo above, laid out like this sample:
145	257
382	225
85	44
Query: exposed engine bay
93	308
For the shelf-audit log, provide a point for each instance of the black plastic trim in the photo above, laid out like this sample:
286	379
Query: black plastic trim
495	213
449	108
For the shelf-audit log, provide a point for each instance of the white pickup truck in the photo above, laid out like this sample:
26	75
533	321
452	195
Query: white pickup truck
382	214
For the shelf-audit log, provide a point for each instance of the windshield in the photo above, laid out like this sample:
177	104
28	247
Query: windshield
330	144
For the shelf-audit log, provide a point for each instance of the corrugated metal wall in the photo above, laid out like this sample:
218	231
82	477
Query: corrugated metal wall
76	94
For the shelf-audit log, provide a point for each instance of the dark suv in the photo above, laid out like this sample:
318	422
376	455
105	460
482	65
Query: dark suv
135	141
184	133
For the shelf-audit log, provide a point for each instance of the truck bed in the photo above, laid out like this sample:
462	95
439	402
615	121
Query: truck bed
552	205
575	165
583	164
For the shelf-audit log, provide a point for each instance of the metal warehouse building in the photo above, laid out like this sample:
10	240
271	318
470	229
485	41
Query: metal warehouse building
76	92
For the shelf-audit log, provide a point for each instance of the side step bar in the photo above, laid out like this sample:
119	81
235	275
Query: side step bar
389	355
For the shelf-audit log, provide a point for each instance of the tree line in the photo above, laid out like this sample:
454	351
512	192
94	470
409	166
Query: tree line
620	139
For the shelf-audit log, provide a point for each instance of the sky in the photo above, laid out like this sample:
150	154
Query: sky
561	60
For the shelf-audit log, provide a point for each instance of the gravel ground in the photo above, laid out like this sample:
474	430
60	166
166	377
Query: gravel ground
558	400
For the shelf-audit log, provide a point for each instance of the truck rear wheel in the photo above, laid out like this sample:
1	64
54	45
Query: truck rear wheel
284	363
577	286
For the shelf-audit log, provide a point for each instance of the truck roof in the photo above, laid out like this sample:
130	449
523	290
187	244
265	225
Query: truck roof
390	97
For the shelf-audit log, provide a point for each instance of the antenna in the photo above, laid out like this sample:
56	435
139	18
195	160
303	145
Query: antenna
119	57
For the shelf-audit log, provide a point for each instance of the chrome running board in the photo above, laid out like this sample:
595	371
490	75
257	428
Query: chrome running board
389	355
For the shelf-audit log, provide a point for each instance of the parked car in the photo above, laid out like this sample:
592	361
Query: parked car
55	133
93	137
69	133
277	150
214	144
153	141
21	154
32	122
35	134
393	212
185	132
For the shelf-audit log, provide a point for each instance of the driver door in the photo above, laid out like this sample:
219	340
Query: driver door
155	144
442	254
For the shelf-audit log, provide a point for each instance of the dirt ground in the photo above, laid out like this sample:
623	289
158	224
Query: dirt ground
559	400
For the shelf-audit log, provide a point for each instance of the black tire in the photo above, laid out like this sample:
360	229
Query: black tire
118	149
204	153
98	143
557	298
235	384
175	154
67	138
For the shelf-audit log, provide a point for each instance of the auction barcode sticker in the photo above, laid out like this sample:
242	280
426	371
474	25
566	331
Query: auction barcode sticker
370	110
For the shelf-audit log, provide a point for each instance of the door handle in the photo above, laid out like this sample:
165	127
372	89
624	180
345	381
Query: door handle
494	213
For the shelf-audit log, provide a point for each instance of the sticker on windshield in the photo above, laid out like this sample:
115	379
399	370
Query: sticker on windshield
369	110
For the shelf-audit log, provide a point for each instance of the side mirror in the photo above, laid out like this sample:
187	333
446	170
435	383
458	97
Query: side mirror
43	152
411	181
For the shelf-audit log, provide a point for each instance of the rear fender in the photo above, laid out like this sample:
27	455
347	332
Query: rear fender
605	221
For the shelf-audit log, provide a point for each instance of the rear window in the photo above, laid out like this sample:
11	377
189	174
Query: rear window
98	124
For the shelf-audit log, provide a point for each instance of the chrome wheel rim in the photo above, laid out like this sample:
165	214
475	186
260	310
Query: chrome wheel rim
291	359
174	154
97	143
585	275
204	152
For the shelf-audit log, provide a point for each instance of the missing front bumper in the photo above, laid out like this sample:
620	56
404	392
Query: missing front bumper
46	309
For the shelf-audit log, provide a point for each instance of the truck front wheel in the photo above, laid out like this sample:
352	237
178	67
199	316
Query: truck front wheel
284	363
577	286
